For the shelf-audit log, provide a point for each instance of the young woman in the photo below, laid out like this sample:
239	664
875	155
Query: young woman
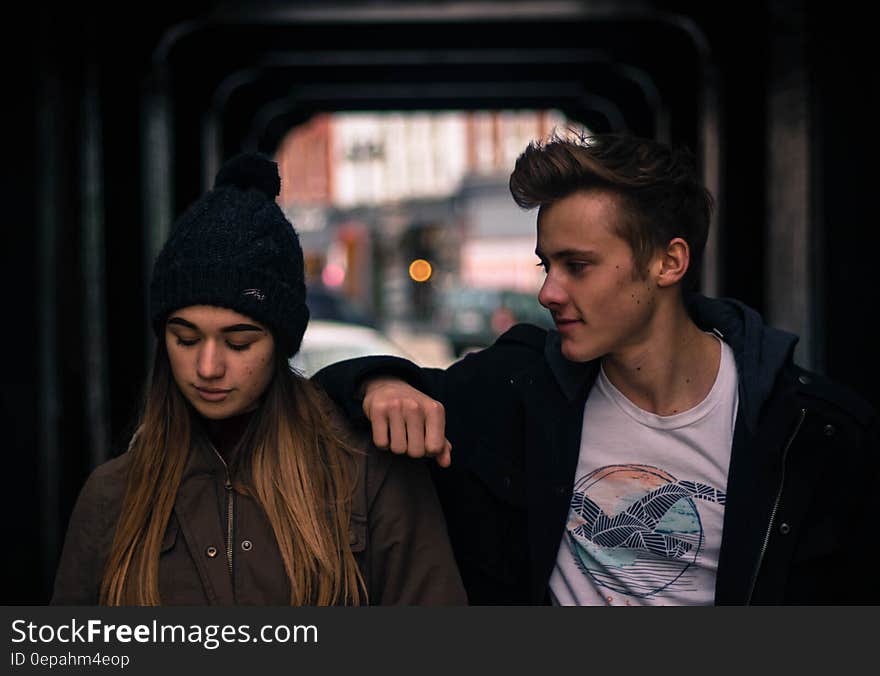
241	485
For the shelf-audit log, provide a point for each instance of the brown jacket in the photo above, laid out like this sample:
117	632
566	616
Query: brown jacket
397	534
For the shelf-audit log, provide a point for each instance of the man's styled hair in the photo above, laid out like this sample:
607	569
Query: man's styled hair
658	187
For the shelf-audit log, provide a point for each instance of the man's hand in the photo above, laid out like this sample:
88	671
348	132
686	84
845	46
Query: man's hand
406	421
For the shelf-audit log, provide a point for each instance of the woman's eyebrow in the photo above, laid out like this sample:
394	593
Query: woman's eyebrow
226	329
241	327
183	322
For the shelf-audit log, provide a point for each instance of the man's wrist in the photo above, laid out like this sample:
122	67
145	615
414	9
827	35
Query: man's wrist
372	383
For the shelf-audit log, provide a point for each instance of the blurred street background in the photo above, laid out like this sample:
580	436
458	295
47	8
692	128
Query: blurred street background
395	125
407	223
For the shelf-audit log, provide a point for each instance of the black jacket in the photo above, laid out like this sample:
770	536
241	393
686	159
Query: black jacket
804	466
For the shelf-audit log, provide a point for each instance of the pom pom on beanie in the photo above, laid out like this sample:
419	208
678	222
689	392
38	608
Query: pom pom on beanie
250	170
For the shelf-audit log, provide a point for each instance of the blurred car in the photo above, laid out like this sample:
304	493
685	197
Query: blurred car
327	342
472	318
324	304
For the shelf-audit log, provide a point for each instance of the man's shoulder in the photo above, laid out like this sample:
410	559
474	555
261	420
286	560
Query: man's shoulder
821	391
519	344
527	336
519	349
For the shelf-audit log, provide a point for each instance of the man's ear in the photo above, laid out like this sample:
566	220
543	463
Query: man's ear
673	262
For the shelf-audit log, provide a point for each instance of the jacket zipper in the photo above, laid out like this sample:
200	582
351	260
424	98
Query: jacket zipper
775	506
229	511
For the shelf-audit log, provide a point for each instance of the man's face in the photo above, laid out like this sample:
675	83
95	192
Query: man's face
598	299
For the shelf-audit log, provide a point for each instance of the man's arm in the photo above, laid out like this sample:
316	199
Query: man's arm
419	411
382	392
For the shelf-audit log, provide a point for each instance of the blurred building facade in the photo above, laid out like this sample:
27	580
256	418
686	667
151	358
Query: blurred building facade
371	192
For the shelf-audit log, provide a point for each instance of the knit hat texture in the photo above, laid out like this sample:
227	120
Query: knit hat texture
234	248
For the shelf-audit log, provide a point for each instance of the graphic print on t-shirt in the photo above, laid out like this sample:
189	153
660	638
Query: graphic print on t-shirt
636	529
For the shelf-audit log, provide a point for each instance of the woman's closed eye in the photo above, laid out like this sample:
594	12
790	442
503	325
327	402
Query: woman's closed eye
238	347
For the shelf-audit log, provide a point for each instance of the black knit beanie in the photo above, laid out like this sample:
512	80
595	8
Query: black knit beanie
234	248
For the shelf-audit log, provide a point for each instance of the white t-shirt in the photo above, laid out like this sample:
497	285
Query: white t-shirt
644	527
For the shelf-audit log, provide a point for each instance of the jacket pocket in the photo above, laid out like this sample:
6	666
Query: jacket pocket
357	533
169	539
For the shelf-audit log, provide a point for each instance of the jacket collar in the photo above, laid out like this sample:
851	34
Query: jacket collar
761	351
574	378
203	459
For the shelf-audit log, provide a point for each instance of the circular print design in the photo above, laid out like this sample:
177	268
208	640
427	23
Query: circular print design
635	529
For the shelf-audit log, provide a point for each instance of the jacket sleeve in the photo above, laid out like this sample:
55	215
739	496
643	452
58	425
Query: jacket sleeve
411	560
466	389
862	546
343	380
89	531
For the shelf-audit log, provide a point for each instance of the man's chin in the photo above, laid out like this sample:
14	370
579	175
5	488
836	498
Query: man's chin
577	351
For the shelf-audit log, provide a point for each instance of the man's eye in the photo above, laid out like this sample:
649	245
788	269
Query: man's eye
238	347
576	266
542	264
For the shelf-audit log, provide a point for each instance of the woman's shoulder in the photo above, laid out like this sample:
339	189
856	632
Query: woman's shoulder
374	465
89	533
391	473
404	529
111	471
106	483
378	470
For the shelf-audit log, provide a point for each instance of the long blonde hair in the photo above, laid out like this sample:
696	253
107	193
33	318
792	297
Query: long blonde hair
294	462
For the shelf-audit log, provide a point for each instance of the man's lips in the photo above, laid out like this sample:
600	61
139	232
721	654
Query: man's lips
563	323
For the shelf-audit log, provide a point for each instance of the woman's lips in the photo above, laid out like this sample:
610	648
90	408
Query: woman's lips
212	394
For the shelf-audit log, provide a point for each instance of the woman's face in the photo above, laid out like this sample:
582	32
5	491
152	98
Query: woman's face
222	361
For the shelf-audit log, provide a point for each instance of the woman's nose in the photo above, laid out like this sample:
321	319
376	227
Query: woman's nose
209	364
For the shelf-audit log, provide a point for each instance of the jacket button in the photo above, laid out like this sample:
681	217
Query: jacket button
560	490
804	379
507	482
247	545
352	536
829	430
211	552
784	528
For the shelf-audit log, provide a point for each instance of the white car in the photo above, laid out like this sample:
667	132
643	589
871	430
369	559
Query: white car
327	342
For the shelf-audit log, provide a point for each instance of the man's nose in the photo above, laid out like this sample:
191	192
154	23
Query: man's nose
210	364
551	294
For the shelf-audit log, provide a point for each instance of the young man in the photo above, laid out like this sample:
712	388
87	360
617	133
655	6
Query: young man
659	447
